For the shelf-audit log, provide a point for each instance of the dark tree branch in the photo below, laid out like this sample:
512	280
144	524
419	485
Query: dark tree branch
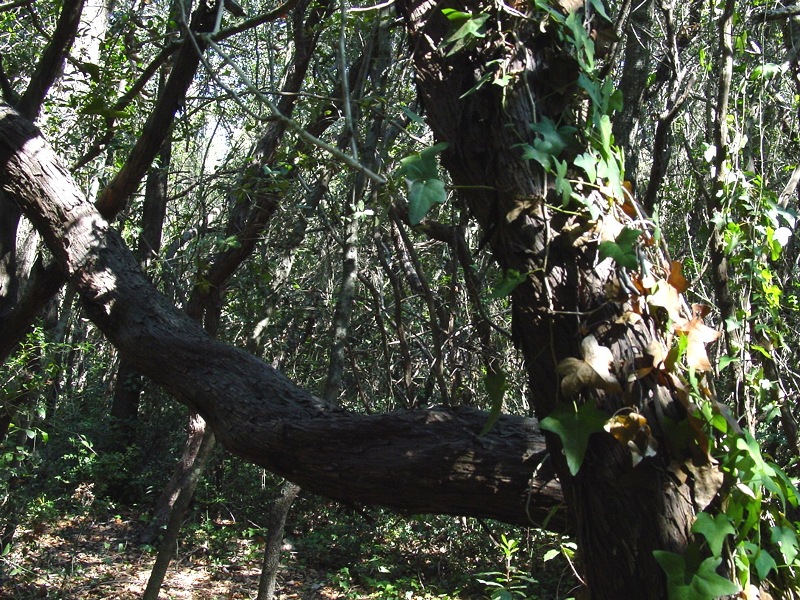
415	461
52	60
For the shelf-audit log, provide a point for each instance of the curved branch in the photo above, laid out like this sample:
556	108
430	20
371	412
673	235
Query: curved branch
415	461
52	59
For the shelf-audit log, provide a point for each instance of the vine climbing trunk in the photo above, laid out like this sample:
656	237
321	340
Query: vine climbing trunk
620	513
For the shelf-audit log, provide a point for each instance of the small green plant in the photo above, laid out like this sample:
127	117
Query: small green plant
511	582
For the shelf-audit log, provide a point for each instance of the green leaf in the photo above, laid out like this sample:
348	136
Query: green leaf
411	115
725	360
562	184
767	71
94	71
606	137
600	9
99	106
422	165
621	250
574	428
422	195
786	539
587	162
511	279
425	189
592	89
764	563
709	583
552	139
714	529
551	554
687	582
496	384
471	28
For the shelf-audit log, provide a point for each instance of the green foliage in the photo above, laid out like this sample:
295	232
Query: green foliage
496	385
466	30
511	279
623	249
509	583
552	140
689	578
574	427
424	186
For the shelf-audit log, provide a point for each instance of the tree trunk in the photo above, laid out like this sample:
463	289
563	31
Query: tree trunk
414	461
276	522
620	513
203	442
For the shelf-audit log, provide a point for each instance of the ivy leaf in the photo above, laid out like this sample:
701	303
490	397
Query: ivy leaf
666	296
786	539
562	184
496	385
764	563
472	27
714	529
709	583
574	428
632	431
592	371
604	127
422	195
621	249
687	583
587	162
511	279
676	278
698	334
422	165
424	186
550	144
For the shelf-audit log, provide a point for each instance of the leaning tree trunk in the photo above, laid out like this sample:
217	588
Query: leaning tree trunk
420	461
621	513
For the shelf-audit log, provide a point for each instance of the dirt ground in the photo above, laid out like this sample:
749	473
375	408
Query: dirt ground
84	558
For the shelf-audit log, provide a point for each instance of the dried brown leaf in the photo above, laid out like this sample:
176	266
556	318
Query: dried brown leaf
666	296
593	371
676	278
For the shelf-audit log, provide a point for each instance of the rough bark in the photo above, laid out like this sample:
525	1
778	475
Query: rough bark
621	513
52	59
202	446
276	522
416	461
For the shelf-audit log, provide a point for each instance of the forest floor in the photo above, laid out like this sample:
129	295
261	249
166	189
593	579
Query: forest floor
330	554
83	558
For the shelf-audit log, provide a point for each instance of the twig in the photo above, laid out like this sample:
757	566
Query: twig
297	128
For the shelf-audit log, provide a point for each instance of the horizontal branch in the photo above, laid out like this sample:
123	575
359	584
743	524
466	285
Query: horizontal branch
414	461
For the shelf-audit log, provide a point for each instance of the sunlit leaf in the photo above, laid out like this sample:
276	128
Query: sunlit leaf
665	296
622	250
786	539
698	334
592	371
715	529
676	278
574	428
587	162
632	431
